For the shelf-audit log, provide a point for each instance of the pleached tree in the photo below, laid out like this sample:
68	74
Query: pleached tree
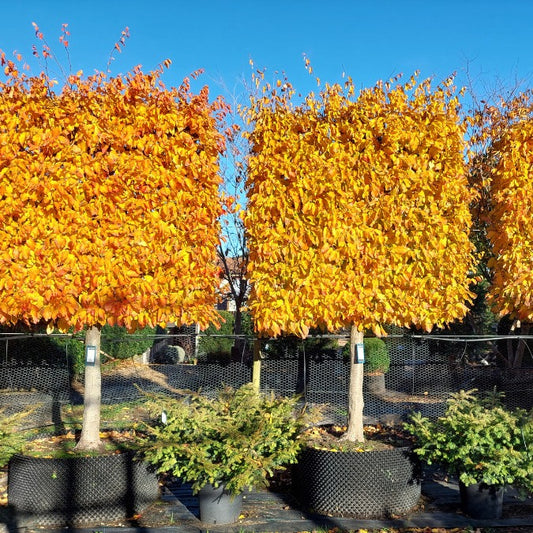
508	131
358	213
110	206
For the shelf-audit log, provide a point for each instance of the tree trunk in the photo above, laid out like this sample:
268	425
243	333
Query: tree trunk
256	368
354	432
522	344
239	344
90	431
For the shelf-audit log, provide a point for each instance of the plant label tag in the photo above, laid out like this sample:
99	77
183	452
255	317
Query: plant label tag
90	355
359	353
164	418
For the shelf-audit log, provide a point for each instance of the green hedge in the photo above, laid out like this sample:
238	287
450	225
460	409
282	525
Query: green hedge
60	349
292	346
218	347
115	343
377	357
119	344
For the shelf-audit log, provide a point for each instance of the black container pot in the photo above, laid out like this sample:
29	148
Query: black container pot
362	485
482	501
374	384
217	506
79	489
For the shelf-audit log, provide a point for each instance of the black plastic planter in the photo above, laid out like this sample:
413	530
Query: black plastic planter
362	485
79	489
480	501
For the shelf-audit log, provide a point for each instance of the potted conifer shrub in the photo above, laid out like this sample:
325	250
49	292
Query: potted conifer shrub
224	445
486	445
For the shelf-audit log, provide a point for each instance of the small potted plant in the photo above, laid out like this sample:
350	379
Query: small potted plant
225	444
486	445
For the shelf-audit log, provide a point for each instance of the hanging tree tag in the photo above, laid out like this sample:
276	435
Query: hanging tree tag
359	353
90	355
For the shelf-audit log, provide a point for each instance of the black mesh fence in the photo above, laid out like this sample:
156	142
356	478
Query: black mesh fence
419	373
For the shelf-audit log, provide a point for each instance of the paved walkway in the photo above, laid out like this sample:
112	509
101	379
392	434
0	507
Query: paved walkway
265	511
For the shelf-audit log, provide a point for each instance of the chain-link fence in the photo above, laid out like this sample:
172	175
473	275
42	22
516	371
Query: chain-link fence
405	372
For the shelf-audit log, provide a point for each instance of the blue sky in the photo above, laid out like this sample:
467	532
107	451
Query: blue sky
371	40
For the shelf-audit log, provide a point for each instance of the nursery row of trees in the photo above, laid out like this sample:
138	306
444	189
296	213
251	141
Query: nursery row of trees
358	211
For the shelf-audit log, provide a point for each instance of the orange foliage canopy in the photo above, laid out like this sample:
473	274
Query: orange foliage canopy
109	201
510	215
358	208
